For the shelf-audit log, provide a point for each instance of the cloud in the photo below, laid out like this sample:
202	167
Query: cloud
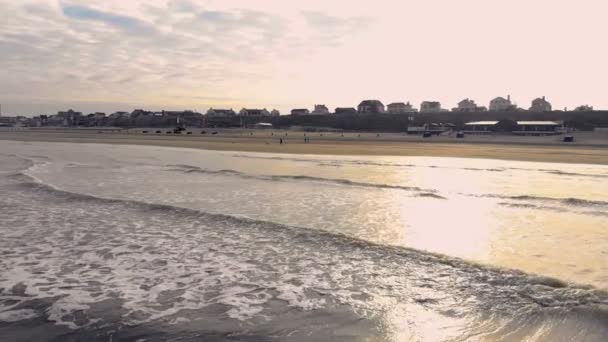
331	30
123	22
149	51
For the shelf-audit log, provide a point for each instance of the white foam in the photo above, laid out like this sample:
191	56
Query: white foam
17	315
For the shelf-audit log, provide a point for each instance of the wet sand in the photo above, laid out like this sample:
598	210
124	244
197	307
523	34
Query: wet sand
589	149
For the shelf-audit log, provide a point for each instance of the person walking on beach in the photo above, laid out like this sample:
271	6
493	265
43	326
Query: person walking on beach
281	141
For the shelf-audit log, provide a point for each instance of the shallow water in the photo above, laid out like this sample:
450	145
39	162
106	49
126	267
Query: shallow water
152	243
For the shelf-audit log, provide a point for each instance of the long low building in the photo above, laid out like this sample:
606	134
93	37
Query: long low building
514	127
537	128
480	127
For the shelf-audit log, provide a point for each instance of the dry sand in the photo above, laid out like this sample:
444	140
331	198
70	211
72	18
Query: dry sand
591	149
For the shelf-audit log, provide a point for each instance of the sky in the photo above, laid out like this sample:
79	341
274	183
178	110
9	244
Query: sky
188	54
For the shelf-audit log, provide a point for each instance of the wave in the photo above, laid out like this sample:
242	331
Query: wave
335	163
431	193
569	202
29	183
336	181
434	281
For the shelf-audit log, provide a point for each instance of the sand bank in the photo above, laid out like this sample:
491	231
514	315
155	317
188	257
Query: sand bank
542	149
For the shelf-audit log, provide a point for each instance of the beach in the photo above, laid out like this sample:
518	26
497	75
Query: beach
589	148
134	242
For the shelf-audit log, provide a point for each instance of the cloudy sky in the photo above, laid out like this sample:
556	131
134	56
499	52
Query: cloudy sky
189	54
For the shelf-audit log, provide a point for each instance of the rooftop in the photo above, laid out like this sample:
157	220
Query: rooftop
538	123
481	123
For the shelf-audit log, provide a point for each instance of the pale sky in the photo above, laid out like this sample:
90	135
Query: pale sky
188	54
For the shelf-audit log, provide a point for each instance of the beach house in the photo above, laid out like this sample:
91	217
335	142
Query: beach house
220	112
430	107
254	112
370	107
540	105
400	108
320	109
300	111
583	108
500	104
345	110
468	105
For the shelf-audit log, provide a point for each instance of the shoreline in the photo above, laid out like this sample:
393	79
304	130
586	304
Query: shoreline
503	148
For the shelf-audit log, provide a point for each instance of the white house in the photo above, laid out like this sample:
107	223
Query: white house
430	107
220	112
467	105
400	108
254	112
500	104
540	105
320	109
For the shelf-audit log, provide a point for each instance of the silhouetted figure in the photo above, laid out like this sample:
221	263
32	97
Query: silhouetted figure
281	141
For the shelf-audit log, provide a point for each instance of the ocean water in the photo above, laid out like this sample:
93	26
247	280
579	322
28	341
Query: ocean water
138	243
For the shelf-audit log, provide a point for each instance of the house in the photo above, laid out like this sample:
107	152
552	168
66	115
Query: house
540	105
345	110
480	127
583	108
430	107
275	112
370	107
320	109
140	112
537	128
468	105
500	104
254	112
220	112
400	108
300	111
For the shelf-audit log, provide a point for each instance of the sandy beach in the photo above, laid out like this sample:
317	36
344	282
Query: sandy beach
588	149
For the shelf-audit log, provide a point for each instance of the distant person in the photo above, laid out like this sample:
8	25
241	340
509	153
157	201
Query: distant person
281	141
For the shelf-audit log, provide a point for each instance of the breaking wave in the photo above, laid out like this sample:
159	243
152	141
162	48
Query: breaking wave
194	169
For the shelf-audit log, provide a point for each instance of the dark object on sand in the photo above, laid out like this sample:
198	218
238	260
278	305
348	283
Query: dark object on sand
169	132
203	132
460	135
144	132
427	134
214	133
158	132
189	133
569	138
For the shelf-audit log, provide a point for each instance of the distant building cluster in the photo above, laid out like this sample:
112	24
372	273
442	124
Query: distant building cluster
498	104
244	116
